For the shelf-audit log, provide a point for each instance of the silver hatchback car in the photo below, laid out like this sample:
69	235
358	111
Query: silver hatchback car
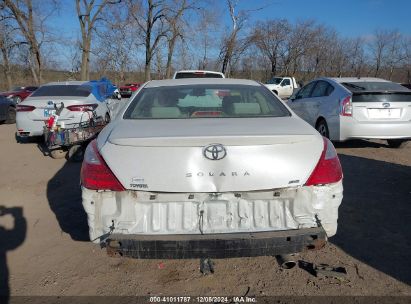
349	108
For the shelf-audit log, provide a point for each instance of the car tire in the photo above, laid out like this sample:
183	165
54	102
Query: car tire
11	116
107	118
322	128
397	143
58	153
17	99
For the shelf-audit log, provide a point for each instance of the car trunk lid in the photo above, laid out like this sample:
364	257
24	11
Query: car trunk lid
382	106
170	155
44	106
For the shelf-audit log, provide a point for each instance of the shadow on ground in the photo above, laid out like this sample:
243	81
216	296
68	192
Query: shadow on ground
375	215
10	239
64	196
361	143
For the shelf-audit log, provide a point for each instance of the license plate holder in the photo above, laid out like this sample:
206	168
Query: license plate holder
384	113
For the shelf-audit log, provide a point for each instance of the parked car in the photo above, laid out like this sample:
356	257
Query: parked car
80	100
197	74
349	108
18	94
7	110
128	89
184	173
284	87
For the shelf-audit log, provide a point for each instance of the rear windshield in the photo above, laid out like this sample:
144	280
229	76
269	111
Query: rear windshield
63	90
381	97
197	75
373	86
201	101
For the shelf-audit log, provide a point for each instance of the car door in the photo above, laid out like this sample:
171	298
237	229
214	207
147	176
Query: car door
286	88
302	98
317	101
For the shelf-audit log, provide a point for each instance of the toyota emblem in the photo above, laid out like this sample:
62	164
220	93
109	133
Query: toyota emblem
386	105
214	152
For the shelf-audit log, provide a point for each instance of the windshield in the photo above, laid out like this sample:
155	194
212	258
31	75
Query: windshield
275	80
200	101
63	90
373	86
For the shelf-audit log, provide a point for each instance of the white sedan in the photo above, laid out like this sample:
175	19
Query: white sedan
210	168
81	99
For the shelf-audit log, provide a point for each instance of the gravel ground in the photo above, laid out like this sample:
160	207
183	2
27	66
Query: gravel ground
51	254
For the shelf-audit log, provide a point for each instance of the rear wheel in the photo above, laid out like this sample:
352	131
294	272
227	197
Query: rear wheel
322	128
396	143
11	115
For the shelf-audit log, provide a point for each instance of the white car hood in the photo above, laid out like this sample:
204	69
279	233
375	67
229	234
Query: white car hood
167	155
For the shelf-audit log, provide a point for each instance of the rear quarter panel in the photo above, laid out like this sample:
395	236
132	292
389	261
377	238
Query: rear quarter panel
330	111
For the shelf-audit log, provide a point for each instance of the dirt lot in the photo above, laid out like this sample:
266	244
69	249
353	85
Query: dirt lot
51	254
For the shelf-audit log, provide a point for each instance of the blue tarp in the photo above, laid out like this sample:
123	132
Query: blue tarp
101	89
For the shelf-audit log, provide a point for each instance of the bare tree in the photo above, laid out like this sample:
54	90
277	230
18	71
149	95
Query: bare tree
378	47
31	22
176	28
270	38
297	45
119	54
149	16
206	25
88	12
8	44
355	55
395	53
229	42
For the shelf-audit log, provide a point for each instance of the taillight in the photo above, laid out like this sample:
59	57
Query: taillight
22	108
133	89
82	108
95	174
346	107
328	169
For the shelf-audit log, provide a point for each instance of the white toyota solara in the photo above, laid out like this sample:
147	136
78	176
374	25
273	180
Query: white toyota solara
210	168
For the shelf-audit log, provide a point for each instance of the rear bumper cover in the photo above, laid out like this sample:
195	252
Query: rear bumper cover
352	129
227	245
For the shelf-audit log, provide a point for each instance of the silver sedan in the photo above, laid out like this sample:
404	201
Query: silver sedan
349	108
210	168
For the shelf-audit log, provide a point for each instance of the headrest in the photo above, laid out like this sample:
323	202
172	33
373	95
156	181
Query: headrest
231	99
251	108
165	112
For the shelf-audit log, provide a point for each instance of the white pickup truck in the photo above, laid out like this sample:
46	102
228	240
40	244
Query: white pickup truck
282	86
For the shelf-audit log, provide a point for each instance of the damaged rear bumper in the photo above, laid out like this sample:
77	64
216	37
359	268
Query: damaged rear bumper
227	245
